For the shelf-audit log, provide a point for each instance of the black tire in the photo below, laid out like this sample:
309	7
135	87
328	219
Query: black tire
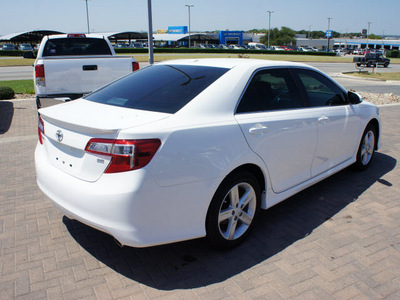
236	214
369	65
358	64
386	64
366	148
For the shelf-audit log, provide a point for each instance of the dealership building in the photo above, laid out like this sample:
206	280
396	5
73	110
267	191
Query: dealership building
387	44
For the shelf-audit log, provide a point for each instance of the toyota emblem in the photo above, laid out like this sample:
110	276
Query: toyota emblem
59	135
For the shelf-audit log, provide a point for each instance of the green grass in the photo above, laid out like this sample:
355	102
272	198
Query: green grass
16	62
297	58
161	57
20	86
380	76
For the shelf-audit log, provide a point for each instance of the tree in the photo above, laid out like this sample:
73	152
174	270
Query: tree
258	31
282	37
374	37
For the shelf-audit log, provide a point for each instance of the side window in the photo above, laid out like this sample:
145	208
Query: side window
320	90
270	90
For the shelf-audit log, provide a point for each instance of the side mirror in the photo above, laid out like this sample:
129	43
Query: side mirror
29	54
354	98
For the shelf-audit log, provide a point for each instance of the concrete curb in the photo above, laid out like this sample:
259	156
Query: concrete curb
344	75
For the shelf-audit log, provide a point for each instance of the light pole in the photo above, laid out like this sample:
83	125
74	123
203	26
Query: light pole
369	23
150	34
383	43
329	24
309	31
87	16
269	24
189	6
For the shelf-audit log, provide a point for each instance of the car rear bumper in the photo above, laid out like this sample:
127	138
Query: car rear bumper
130	206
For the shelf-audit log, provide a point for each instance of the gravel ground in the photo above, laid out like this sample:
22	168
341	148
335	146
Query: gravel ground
380	99
377	99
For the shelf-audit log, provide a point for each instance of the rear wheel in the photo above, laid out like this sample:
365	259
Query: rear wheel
386	64
233	210
366	149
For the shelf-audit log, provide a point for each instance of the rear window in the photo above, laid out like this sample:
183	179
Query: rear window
160	88
76	46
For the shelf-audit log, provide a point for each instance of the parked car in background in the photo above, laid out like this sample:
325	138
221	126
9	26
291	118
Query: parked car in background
223	46
258	46
191	148
69	66
136	45
8	47
277	48
25	47
305	49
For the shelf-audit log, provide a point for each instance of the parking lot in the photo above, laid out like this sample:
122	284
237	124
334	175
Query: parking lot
339	239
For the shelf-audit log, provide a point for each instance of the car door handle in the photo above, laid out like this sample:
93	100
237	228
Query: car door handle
323	119
258	129
89	68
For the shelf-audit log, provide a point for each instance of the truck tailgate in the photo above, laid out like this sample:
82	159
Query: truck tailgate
83	75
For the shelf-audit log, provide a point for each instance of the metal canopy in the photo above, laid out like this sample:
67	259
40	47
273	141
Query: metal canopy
33	37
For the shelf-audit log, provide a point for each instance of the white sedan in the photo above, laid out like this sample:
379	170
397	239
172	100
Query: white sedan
191	148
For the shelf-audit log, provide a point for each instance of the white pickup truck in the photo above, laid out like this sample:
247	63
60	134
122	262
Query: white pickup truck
69	66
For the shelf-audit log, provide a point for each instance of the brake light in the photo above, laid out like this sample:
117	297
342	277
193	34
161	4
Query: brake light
40	75
40	129
126	155
135	66
76	35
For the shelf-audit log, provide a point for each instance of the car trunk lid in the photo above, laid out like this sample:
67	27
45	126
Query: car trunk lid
69	127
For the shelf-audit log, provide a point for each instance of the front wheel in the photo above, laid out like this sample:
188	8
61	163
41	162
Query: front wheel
366	149
233	210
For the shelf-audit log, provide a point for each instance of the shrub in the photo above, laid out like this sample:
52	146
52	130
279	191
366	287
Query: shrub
393	54
6	93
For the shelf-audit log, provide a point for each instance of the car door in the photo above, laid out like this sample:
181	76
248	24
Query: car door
278	127
338	123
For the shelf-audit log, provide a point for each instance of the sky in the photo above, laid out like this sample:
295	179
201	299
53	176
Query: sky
206	15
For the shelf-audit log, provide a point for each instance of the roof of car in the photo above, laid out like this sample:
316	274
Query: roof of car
91	35
232	62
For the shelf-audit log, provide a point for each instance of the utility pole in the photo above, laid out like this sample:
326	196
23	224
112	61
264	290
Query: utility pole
329	24
369	23
189	6
87	16
383	43
150	34
269	24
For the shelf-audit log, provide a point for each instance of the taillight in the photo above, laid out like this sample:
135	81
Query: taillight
135	66
39	75
40	130
125	155
76	35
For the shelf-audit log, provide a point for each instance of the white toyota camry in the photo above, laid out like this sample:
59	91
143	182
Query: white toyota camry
192	148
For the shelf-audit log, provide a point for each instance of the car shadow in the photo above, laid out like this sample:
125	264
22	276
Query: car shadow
194	263
6	115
